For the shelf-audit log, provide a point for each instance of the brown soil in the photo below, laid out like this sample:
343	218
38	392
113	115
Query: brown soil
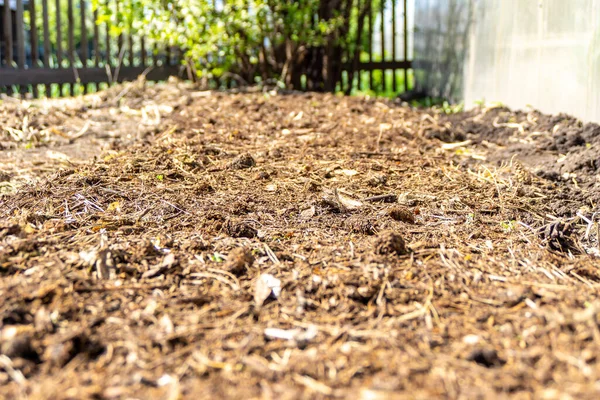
558	148
260	245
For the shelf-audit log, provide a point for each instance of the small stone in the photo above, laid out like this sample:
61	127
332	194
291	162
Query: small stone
358	224
60	353
401	213
275	153
486	357
239	230
20	346
238	261
471	339
266	286
261	175
377	180
203	188
43	321
389	242
243	161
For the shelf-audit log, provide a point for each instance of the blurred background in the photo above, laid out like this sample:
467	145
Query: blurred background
543	53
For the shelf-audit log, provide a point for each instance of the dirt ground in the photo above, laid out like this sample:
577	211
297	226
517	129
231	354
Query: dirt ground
165	242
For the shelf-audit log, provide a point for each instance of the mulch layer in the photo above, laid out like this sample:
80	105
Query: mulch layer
166	242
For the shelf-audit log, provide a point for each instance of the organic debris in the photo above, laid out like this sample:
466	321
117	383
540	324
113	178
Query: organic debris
239	261
176	243
242	161
360	224
298	335
389	242
401	213
266	285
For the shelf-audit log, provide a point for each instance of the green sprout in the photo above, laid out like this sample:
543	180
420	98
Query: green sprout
508	226
216	257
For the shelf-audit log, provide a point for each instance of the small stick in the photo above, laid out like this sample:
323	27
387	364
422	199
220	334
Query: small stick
81	289
386	198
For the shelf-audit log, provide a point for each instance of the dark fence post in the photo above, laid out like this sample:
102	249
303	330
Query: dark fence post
83	40
394	80
108	55
20	41
370	43
130	43
46	34
71	40
96	40
383	84
8	37
406	88
33	39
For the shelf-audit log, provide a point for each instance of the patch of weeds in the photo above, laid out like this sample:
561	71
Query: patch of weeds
448	108
508	226
470	218
216	257
256	252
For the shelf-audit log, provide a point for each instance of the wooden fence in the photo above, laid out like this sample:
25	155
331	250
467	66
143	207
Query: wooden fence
71	54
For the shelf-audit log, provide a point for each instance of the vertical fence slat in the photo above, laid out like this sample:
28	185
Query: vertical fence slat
371	43
394	80
130	40
20	26
46	33
120	38
383	85
131	53
405	44
71	39
120	48
46	26
143	50
8	42
59	48
96	40
108	61
155	54
33	40
83	40
33	35
358	71
8	37
20	35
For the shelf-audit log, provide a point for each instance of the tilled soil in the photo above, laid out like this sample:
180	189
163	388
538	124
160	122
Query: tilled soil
269	245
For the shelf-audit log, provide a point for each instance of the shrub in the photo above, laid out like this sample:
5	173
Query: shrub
246	39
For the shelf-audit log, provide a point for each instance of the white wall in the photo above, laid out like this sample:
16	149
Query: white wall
544	53
441	39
